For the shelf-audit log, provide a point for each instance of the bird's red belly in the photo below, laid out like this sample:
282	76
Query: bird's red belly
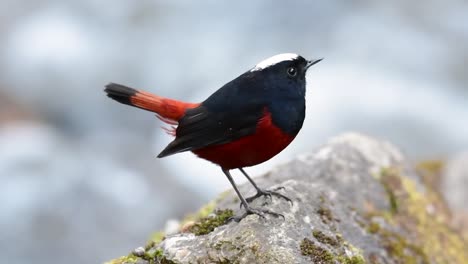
265	143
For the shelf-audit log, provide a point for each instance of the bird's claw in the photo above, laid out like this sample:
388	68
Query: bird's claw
268	193
260	212
279	188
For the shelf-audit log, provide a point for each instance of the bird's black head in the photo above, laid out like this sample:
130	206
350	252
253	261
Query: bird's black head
284	74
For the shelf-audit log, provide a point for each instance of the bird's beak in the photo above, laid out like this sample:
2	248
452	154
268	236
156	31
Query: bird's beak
312	62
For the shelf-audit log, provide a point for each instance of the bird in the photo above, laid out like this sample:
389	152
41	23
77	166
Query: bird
244	123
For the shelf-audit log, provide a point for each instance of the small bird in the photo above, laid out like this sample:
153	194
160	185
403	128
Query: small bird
246	122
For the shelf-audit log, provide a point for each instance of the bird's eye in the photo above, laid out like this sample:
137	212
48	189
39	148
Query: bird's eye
292	71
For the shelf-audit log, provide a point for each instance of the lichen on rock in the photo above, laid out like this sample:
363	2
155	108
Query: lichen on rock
207	224
356	200
417	230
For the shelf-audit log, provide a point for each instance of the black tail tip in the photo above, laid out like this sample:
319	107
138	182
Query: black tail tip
120	93
162	154
119	89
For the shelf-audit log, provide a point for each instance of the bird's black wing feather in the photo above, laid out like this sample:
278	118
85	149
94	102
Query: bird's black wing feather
230	113
201	127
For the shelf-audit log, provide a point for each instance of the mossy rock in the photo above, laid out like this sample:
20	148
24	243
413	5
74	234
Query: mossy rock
356	200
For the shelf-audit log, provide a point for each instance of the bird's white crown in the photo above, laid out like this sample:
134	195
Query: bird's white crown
275	60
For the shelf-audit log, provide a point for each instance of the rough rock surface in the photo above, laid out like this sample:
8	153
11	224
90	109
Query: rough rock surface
454	182
356	200
454	186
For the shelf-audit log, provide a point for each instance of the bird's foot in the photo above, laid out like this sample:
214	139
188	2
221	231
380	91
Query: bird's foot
260	212
269	193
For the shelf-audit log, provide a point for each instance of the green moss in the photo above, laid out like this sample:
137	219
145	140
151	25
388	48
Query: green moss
339	238
322	198
206	210
124	260
207	224
322	238
431	172
373	228
400	248
389	179
202	213
160	258
321	255
325	214
432	166
224	261
416	226
151	255
203	224
157	237
341	250
357	259
316	253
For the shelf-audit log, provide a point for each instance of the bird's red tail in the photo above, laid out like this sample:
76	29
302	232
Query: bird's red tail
168	110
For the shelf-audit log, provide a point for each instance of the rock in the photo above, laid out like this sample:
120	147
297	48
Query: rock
453	184
356	200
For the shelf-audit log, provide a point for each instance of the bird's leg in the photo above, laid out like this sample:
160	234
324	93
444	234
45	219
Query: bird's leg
262	192
248	210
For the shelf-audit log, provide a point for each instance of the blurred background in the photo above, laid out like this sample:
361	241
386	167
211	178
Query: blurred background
79	177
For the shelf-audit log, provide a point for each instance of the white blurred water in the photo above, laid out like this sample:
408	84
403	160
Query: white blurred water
79	178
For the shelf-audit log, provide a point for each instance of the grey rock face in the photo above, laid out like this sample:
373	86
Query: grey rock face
454	186
355	201
454	183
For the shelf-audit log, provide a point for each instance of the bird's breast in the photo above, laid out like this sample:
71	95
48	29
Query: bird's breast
288	114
